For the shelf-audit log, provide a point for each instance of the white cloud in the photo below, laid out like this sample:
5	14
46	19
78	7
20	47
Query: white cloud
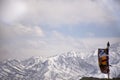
12	10
57	43
69	12
27	30
50	13
38	31
55	12
20	30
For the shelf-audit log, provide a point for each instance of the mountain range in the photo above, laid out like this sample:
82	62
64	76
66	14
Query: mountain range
68	66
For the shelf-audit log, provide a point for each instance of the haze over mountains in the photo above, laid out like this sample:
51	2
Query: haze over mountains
67	66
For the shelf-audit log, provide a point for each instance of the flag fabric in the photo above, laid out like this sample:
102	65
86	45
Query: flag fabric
103	60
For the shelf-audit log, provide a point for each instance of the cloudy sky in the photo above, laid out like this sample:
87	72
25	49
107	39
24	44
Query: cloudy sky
49	27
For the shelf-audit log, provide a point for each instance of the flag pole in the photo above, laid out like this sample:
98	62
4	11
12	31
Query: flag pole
108	45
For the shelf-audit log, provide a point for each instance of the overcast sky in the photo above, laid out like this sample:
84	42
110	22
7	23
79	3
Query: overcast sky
49	27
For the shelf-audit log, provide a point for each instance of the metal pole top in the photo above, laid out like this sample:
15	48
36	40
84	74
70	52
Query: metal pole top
108	44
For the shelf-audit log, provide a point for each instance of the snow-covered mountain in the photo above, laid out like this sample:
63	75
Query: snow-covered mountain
68	66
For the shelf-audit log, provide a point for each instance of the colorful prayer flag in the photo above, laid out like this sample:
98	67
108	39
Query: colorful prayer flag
103	60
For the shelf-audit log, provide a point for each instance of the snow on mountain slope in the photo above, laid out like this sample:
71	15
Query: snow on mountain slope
115	60
69	66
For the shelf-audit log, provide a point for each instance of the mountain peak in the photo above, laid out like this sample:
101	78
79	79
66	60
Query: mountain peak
68	66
